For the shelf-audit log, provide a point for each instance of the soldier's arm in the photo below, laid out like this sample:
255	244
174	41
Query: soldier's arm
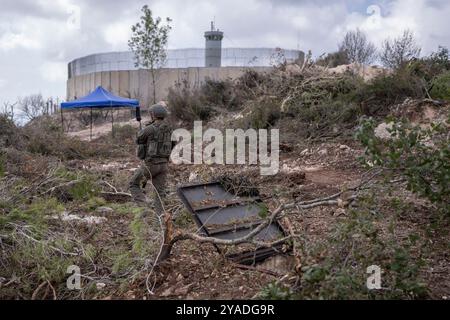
144	135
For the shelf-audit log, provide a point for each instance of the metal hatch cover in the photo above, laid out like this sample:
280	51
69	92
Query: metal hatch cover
223	215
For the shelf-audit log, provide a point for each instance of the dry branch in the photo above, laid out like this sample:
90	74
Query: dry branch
297	255
172	235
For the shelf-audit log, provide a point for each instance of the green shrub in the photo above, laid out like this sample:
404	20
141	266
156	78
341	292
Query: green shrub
84	189
10	134
441	87
333	60
187	103
94	203
250	79
314	274
34	213
43	136
381	93
2	164
138	228
263	114
406	272
220	93
122	261
421	155
274	291
336	267
126	133
428	68
35	262
127	208
145	226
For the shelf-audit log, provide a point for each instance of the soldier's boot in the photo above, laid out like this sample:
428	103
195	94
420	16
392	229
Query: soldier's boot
135	187
138	196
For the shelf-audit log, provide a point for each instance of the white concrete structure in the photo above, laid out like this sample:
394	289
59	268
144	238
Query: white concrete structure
116	71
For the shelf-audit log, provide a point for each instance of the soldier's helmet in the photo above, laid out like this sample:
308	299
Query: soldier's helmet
159	111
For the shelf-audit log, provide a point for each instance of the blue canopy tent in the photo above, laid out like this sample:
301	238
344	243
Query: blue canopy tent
101	99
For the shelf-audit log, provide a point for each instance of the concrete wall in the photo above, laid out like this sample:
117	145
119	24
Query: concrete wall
186	58
137	84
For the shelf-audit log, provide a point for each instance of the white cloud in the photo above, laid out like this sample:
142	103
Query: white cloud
117	34
10	40
38	38
54	71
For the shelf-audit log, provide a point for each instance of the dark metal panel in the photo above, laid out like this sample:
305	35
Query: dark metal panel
271	233
222	215
230	214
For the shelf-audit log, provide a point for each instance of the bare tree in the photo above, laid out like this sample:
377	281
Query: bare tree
8	110
33	106
358	48
278	58
395	53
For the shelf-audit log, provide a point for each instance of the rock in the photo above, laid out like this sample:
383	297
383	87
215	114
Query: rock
183	291
382	131
180	277
323	152
342	203
131	295
94	220
193	177
278	263
339	212
65	216
304	152
100	286
343	147
167	292
104	211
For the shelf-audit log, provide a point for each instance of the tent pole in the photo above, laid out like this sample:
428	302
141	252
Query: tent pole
112	122
62	119
91	126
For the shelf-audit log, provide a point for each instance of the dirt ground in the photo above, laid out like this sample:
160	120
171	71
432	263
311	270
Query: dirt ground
198	271
308	170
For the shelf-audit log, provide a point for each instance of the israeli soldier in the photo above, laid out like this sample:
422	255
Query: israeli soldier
154	147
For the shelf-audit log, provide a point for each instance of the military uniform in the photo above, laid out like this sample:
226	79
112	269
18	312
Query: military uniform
156	138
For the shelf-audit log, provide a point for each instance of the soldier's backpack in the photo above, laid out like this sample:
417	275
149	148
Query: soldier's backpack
161	144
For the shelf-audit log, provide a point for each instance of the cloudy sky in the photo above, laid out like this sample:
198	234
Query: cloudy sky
39	37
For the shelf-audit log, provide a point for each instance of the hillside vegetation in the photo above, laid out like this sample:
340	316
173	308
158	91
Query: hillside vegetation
381	145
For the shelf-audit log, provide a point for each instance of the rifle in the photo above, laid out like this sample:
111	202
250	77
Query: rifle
138	117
